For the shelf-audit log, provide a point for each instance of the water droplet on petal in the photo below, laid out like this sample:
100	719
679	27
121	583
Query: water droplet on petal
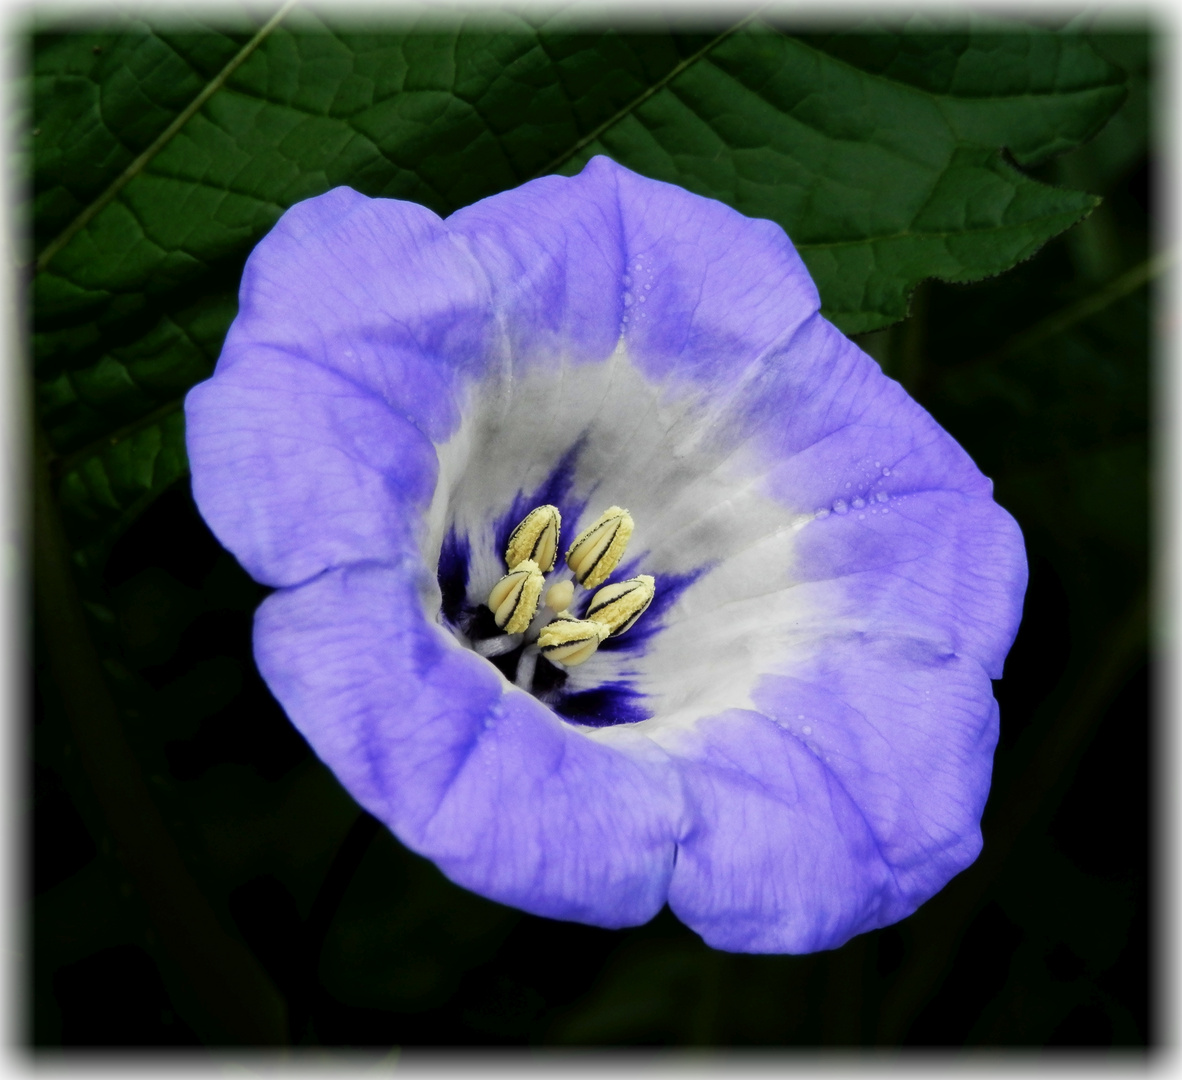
858	503
886	472
840	507
807	730
882	496
878	464
628	278
627	299
823	512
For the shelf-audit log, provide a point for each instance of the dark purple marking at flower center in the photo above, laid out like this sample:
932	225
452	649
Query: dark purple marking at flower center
474	620
606	705
555	490
669	587
454	556
615	702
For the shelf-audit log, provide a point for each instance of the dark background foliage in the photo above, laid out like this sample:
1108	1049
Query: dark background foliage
197	877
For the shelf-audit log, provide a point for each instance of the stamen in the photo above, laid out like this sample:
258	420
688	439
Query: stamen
514	598
536	538
495	646
619	605
526	667
570	641
559	596
597	550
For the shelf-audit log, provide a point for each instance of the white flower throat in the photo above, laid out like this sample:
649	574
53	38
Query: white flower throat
517	603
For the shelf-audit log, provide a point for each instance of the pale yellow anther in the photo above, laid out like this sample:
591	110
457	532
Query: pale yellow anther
619	605
597	550
569	641
559	596
536	538
514	599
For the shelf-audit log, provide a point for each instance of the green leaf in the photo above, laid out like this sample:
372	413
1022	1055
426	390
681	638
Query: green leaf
103	97
986	81
882	178
881	154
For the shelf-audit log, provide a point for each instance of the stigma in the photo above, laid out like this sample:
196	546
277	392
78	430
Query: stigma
560	595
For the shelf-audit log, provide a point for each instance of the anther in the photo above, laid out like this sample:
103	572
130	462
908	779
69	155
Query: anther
535	538
619	605
514	599
570	641
597	550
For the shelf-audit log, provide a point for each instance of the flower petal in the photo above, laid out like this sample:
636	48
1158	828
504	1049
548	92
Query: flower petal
906	520
778	858
943	566
376	290
297	469
360	322
697	289
852	796
474	774
805	710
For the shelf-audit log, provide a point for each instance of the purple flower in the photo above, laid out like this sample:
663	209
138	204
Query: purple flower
793	744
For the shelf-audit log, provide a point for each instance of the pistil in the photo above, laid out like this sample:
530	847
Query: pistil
547	626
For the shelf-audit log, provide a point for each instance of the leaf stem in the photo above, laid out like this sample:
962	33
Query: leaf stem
137	166
333	887
67	462
909	341
1032	793
230	987
641	98
1065	318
